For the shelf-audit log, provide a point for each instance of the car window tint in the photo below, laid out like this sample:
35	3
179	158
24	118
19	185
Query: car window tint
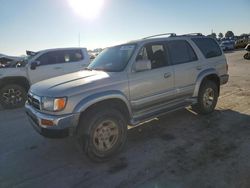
157	47
180	52
73	56
156	53
208	47
48	58
61	56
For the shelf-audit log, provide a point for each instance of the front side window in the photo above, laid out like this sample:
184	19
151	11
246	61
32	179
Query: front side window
180	52
155	53
48	58
60	56
113	59
208	47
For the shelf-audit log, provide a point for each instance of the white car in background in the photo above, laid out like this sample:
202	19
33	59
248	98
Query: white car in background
17	76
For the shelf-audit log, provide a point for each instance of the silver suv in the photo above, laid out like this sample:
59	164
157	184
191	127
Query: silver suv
128	84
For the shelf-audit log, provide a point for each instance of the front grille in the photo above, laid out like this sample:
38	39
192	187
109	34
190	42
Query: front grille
34	101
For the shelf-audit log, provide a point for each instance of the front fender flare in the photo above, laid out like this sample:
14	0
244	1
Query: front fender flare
98	97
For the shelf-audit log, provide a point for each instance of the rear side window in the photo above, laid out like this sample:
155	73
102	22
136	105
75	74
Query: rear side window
208	47
180	52
72	55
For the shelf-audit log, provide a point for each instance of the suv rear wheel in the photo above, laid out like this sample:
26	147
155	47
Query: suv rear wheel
102	133
207	98
12	96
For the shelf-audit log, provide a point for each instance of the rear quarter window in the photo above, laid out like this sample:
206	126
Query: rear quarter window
208	47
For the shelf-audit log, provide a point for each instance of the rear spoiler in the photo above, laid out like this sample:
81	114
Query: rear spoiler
30	53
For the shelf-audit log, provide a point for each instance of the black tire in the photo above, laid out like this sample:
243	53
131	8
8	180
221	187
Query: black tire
89	126
12	96
203	107
247	56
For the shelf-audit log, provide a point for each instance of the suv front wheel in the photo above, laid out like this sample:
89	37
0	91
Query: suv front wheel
102	133
207	98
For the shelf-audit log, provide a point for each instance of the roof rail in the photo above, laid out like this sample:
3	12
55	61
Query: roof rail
192	34
170	34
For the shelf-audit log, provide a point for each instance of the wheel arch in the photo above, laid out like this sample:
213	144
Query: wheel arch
18	80
209	74
111	99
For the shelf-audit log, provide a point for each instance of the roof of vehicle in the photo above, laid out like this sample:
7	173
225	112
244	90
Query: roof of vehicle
58	49
155	38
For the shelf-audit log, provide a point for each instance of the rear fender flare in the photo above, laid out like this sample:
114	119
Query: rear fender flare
200	78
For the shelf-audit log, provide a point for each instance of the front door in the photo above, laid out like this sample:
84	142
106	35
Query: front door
148	89
49	65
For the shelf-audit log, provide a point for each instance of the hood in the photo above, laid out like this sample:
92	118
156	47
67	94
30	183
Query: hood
70	84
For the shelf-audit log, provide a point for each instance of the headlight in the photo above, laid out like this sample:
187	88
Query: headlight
53	104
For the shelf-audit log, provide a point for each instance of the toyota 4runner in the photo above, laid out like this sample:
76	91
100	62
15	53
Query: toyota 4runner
128	84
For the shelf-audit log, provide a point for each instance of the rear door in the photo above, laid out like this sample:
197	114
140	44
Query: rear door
74	60
186	66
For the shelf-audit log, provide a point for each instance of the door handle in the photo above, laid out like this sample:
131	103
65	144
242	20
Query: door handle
199	67
167	75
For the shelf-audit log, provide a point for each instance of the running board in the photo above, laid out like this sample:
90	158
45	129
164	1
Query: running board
153	115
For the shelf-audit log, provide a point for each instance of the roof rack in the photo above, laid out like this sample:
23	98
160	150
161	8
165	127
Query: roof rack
170	34
192	34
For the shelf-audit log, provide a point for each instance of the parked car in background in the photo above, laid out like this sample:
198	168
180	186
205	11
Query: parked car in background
227	45
242	43
128	84
247	55
17	76
6	60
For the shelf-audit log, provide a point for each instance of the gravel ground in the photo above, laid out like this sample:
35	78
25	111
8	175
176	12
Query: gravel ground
179	150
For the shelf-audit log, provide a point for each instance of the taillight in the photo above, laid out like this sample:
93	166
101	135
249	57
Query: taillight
227	67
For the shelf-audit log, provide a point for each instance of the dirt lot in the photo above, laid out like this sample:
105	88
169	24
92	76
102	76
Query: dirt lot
179	150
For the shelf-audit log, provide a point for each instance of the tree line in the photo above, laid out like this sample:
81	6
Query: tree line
228	34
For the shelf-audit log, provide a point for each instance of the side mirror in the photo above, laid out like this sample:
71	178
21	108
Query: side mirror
142	65
33	65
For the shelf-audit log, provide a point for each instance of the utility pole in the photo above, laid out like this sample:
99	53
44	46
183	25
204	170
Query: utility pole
79	39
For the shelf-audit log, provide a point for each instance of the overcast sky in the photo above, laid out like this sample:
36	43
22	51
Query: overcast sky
42	24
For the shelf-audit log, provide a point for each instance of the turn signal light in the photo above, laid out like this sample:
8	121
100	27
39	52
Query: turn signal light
59	104
47	122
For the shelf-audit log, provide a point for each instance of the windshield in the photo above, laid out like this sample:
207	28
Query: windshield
113	59
28	57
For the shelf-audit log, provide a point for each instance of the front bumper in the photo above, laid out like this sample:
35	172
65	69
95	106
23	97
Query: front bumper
64	125
224	79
